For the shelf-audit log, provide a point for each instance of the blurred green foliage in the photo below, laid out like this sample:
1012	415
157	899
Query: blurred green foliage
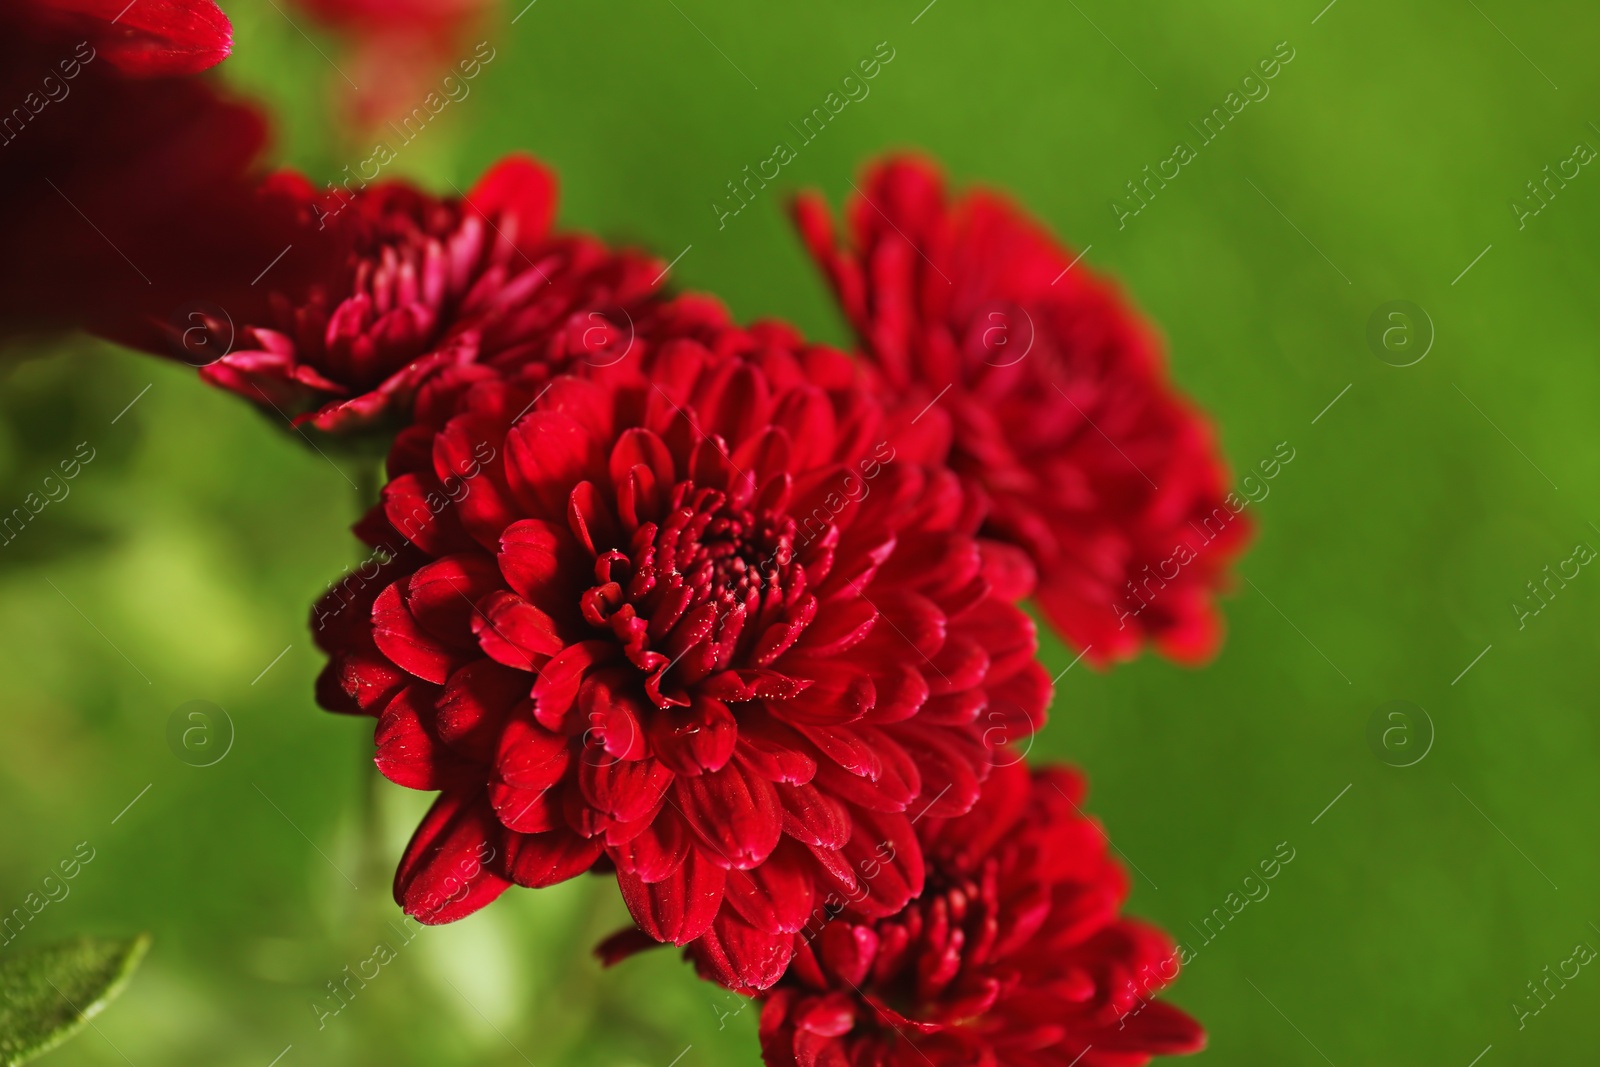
1382	162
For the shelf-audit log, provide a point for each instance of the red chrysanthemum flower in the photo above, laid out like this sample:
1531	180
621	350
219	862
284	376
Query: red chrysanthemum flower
402	51
144	37
392	286
1014	955
702	627
119	197
1057	405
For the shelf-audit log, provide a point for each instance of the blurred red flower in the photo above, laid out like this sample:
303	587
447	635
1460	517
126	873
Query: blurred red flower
120	197
1033	378
701	626
386	286
144	37
1014	955
400	48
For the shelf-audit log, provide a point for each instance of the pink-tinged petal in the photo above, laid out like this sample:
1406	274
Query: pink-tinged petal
681	906
448	871
830	1016
539	860
734	812
520	188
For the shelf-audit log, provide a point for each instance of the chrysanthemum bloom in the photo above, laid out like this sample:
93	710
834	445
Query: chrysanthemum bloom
119	195
1014	955
1052	393
147	37
389	286
703	627
401	52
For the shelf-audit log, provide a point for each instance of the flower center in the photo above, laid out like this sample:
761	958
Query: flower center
693	593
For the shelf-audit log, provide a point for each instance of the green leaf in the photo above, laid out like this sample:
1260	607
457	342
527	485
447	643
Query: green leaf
48	993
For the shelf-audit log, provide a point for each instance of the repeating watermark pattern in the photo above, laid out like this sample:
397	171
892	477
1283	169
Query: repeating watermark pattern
200	733
54	489
1542	190
1255	887
343	987
1145	590
1542	591
1252	88
1154	977
1400	733
52	90
1541	991
743	191
53	889
1400	333
340	195
200	333
836	902
409	524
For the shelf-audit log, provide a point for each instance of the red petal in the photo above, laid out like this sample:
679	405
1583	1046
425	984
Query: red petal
883	849
474	705
657	851
445	873
742	957
626	790
410	752
811	816
734	812
407	645
624	944
680	907
539	860
156	37
695	739
777	895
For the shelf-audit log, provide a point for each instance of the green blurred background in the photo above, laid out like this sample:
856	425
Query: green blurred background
1390	550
